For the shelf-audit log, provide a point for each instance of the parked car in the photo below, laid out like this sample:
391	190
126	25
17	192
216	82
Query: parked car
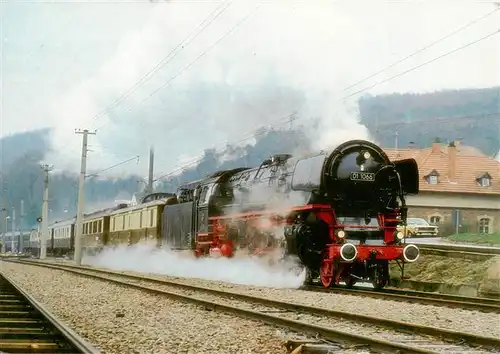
419	227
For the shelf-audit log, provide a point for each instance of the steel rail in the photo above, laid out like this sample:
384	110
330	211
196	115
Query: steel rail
27	326
422	297
392	324
486	250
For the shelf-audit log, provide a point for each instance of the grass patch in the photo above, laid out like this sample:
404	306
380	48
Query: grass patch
439	269
486	239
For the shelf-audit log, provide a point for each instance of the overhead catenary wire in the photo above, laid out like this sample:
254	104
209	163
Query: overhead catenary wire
423	64
372	86
168	58
259	131
113	166
203	53
96	174
400	74
460	29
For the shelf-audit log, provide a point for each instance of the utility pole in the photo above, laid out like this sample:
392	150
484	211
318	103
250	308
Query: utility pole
4	214
149	188
13	230
21	225
81	201
45	212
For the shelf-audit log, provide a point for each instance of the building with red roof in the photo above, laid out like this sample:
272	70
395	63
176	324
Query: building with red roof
459	187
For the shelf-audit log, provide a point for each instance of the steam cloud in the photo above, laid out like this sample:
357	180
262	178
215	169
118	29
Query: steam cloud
145	258
281	59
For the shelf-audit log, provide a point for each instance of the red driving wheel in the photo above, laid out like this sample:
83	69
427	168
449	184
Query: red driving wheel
326	273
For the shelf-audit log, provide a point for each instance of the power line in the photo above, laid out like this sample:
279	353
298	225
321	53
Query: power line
257	132
376	84
290	118
113	166
380	82
165	60
188	66
423	64
424	48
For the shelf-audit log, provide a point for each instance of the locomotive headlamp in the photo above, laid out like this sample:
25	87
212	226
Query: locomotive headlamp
341	234
362	157
400	235
348	252
411	253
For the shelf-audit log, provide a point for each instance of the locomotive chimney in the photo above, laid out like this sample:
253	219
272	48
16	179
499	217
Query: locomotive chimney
452	161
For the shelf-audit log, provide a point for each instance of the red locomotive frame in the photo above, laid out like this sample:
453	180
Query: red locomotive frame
333	269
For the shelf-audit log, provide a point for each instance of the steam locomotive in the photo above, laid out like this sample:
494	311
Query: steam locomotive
336	214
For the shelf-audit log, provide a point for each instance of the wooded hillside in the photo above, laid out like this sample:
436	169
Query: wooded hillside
473	115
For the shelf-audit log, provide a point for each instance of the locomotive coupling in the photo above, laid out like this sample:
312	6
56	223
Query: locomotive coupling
348	252
411	253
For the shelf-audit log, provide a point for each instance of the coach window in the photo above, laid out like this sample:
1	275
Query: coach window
99	226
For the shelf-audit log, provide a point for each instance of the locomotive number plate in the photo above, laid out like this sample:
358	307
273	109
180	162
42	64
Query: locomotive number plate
363	176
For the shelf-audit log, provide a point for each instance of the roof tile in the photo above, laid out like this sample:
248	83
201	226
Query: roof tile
469	164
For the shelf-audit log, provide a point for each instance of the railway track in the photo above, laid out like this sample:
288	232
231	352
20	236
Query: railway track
485	250
27	327
482	304
335	327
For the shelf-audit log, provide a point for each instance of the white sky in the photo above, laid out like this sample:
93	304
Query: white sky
64	62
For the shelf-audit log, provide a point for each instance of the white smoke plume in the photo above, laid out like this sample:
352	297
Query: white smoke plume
145	258
283	58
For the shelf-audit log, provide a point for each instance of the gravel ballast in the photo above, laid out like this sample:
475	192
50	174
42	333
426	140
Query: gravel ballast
475	322
117	319
484	324
369	330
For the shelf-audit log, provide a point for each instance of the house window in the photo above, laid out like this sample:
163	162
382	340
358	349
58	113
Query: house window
433	179
434	220
485	182
484	226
